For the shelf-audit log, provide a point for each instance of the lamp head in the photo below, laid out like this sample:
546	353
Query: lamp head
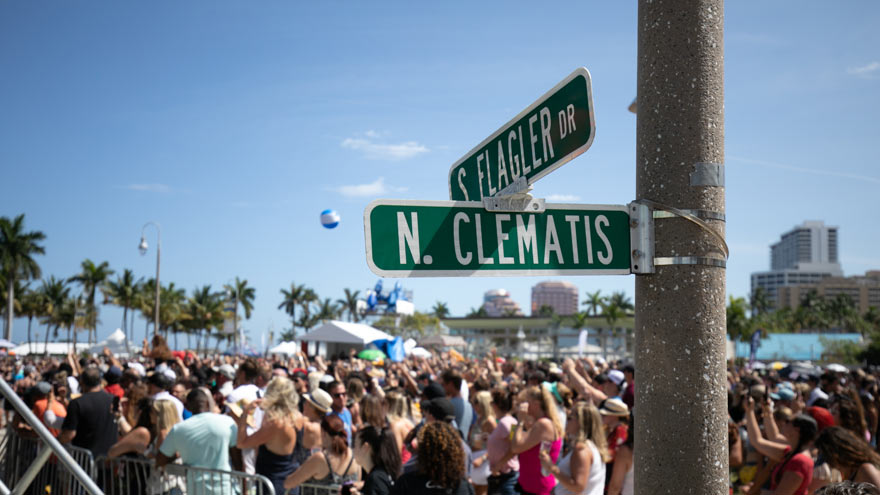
143	245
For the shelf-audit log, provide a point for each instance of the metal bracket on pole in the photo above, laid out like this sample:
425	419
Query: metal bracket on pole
698	217
641	238
515	197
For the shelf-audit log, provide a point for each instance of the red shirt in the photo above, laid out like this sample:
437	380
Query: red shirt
40	408
115	389
616	438
801	464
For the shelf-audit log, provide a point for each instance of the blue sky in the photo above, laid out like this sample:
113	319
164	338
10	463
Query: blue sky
234	124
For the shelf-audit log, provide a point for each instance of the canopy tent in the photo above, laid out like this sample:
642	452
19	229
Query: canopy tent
54	348
287	348
443	341
341	336
5	344
115	342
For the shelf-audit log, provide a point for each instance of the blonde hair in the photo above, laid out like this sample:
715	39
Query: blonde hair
483	401
166	414
548	405
590	428
398	404
281	400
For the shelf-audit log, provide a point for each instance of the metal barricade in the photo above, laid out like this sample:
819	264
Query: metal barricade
129	475
318	489
18	452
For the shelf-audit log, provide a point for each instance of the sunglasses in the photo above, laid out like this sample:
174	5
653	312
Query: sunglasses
340	394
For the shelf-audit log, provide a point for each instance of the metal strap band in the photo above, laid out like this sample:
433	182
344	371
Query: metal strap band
704	214
690	260
691	218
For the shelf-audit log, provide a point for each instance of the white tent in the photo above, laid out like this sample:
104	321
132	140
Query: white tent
54	348
115	342
342	332
338	336
285	348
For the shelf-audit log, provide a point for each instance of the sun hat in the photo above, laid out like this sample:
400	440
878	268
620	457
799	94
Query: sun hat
319	399
613	407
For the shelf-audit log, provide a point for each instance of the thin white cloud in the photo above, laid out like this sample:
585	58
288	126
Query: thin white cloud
813	171
563	198
373	149
375	134
376	188
870	70
156	188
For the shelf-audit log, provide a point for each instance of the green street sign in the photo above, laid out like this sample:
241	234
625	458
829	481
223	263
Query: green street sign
548	134
462	239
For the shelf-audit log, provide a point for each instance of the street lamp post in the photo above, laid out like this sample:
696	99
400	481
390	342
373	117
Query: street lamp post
143	249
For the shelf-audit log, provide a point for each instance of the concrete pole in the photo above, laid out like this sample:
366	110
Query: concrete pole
680	409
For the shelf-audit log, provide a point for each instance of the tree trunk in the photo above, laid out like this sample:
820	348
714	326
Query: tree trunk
74	338
10	297
46	344
30	344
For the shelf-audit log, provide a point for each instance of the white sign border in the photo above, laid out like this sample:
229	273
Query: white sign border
479	273
580	71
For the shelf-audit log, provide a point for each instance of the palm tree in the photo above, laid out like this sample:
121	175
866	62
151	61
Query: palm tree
91	278
477	312
244	295
440	310
32	303
349	304
56	292
738	324
546	311
759	301
17	249
594	302
171	314
205	311
18	290
122	293
309	298
622	302
144	301
291	299
327	310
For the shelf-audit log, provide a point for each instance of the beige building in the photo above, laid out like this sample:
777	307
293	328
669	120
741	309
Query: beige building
863	289
561	296
497	302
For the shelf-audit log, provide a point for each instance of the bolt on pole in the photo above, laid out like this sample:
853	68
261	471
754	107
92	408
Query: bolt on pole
681	401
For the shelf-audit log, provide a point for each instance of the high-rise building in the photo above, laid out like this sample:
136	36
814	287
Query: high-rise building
807	254
561	296
497	302
863	290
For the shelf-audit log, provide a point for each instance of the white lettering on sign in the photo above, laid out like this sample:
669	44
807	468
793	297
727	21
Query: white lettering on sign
566	121
460	217
514	159
551	242
408	236
513	231
603	258
502	168
480	258
461	174
536	162
545	132
502	236
572	221
527	238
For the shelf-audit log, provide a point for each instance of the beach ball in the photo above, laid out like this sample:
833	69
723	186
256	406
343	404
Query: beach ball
329	219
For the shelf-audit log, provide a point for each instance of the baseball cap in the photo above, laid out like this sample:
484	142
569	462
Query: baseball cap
433	391
616	376
441	408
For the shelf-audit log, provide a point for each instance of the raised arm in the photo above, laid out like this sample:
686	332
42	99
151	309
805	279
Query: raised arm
771	449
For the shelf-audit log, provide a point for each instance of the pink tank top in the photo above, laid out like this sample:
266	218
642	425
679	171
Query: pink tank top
530	477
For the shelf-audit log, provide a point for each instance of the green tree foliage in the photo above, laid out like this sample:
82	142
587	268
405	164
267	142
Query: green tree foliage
17	251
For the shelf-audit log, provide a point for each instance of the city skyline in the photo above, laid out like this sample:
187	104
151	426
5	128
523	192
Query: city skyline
235	126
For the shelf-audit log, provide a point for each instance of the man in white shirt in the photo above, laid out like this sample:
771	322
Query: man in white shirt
159	383
248	391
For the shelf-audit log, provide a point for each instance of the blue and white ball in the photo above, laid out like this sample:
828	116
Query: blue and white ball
329	219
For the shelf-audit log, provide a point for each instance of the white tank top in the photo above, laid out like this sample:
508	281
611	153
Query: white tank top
596	478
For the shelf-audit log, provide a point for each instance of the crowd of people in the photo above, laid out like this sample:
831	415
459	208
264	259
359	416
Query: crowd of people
443	425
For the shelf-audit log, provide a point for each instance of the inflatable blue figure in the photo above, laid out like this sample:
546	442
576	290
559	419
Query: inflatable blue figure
376	298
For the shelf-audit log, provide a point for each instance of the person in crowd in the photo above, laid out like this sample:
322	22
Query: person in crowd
372	411
464	413
847	411
845	451
582	470
620	480
849	488
142	433
614	413
480	435
376	451
316	405
338	394
90	417
159	383
356	393
128	407
50	411
301	380
204	441
504	468
399	419
246	391
789	447
440	465
539	429
629	393
276	439
334	464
